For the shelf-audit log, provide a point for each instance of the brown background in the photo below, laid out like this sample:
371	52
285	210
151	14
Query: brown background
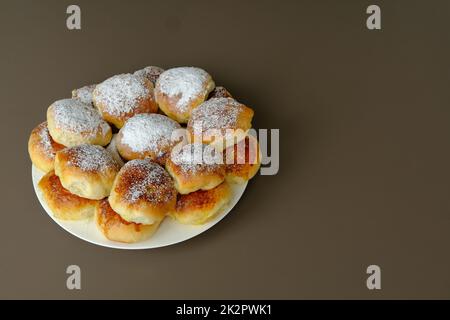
364	119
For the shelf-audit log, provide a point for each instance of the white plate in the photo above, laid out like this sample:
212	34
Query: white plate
169	232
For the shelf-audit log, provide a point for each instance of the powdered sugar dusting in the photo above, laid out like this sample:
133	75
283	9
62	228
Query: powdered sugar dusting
45	140
148	132
73	115
146	180
89	157
152	73
216	113
84	94
121	93
186	83
193	158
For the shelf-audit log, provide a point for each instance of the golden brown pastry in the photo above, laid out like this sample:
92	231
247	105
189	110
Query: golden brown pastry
86	170
147	135
220	121
62	203
242	160
180	90
123	96
71	122
196	167
42	148
115	228
200	206
143	192
152	73
84	94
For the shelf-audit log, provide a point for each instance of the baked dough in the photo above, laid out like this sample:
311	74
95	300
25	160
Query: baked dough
242	160
152	73
143	192
196	167
71	122
42	148
115	228
147	135
84	94
180	90
220	121
200	206
63	204
86	170
123	96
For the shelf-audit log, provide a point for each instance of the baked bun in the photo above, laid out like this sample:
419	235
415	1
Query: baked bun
84	94
112	148
115	228
62	203
42	148
151	73
220	92
180	90
147	135
195	167
143	192
71	122
221	121
123	96
200	206
242	160
86	170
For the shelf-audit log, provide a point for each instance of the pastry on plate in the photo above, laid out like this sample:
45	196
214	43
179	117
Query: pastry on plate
147	135
63	204
86	170
42	148
180	90
242	160
72	122
200	206
220	121
143	192
123	96
113	227
196	167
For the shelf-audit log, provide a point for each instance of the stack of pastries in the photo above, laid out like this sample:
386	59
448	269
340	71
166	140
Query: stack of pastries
109	152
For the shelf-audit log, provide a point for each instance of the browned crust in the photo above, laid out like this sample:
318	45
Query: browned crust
157	193
41	156
107	217
58	198
201	199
